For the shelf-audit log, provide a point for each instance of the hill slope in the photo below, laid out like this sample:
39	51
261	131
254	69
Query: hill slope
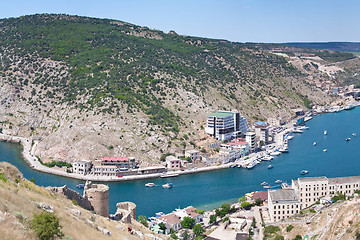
98	87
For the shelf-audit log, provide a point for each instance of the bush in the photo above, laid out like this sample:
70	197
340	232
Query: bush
46	226
297	237
312	211
246	205
187	222
272	229
143	221
32	180
338	197
198	230
289	228
212	219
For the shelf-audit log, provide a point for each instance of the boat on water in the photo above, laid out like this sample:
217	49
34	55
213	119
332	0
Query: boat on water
325	150
150	184
297	131
348	139
314	143
275	153
251	165
159	214
270	166
167	175
307	118
80	185
167	185
284	185
264	183
325	132
233	166
267	186
289	137
303	128
278	181
303	172
354	134
284	150
267	158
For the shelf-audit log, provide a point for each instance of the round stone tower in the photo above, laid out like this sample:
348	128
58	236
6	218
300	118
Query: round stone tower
98	195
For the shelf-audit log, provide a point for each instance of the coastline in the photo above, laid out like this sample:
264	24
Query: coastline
32	161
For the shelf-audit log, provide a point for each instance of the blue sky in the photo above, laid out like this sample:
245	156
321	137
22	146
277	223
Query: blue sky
234	20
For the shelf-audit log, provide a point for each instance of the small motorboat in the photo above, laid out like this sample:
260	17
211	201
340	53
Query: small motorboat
264	183
150	184
267	158
278	181
267	186
325	132
270	166
233	166
348	139
167	185
303	172
284	185
314	143
325	150
80	185
354	134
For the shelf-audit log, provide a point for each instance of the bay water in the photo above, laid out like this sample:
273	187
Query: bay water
210	189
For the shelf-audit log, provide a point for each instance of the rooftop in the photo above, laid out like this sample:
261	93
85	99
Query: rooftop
312	179
220	114
263	195
340	180
283	195
115	159
170	218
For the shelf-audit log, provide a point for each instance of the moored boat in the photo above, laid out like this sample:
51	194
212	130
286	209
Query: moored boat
284	150
284	185
278	181
275	153
167	175
80	185
167	185
264	183
251	165
270	167
149	184
267	186
348	139
267	158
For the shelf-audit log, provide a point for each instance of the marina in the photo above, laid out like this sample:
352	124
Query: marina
210	189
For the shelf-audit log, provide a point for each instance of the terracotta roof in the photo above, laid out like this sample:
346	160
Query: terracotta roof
260	194
170	218
115	159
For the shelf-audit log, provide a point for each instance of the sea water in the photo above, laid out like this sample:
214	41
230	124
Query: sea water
211	189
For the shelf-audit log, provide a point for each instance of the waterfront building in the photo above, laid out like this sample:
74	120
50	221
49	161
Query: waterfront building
109	170
311	189
224	125
82	167
193	154
262	131
123	163
240	145
250	138
172	163
276	122
283	203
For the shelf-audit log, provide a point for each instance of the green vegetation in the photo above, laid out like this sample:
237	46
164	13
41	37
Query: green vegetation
32	180
212	219
289	228
246	205
200	211
56	163
297	237
143	221
162	226
187	222
338	197
223	210
272	232
198	230
46	226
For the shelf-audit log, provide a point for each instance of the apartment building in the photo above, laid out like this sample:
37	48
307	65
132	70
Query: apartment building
283	203
82	167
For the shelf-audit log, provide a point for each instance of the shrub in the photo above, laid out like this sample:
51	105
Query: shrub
297	237
143	221
32	180
212	219
272	229
46	226
289	228
187	222
198	230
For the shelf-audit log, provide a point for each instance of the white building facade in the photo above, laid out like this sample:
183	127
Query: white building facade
82	167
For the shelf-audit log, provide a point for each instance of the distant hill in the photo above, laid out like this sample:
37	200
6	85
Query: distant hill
334	46
91	88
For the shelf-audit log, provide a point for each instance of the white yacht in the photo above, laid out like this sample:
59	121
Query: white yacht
275	153
325	132
267	158
150	184
314	143
167	185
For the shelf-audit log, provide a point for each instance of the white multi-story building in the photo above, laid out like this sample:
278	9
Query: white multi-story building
82	167
193	154
311	189
283	203
224	125
250	139
262	131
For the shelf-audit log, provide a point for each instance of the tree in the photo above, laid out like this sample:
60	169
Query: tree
297	237
32	180
185	235
212	219
258	201
143	221
187	222
198	230
46	226
246	205
162	226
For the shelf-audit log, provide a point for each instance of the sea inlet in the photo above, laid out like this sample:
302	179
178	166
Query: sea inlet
210	189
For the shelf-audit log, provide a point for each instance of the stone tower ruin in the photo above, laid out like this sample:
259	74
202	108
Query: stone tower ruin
98	195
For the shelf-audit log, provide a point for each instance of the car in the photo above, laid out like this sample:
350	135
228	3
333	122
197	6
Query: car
120	175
